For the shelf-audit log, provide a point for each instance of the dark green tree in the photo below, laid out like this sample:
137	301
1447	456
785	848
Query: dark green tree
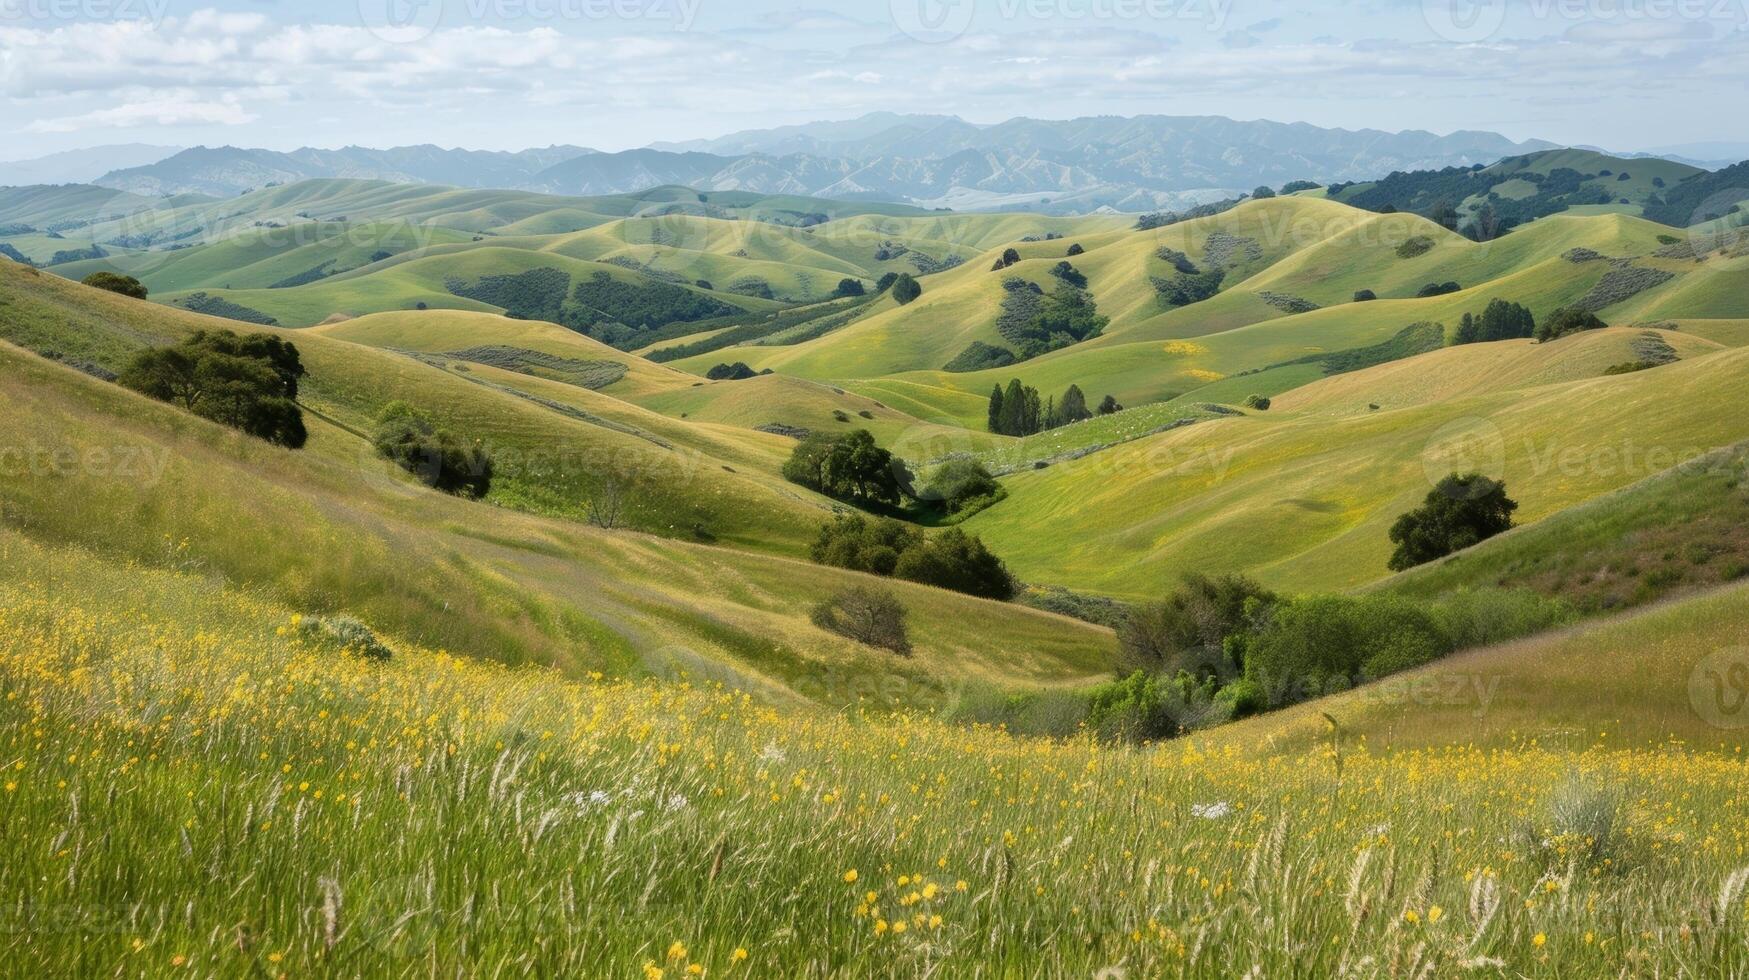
1459	512
849	287
995	423
1074	406
116	283
906	289
248	383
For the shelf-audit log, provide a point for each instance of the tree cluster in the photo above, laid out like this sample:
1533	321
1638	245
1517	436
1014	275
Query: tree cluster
950	559
849	467
1501	320
1017	411
249	382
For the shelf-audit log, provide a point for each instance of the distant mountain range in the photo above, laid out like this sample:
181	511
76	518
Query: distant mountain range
80	166
228	170
1131	164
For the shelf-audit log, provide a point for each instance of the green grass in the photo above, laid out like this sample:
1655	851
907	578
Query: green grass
331	528
169	739
1303	498
1674	532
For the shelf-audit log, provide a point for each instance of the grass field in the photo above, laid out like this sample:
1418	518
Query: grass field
167	738
288	713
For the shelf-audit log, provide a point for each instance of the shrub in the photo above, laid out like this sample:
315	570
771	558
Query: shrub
956	560
873	617
737	371
1437	289
862	544
906	289
1568	320
412	440
1069	274
1109	406
959	482
1458	513
1320	644
885	282
1146	707
1365	296
1257	402
116	283
1074	250
347	633
847	287
979	356
1008	257
1187	630
1418	245
248	383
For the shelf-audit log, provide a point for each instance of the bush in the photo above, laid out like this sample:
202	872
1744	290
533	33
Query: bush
847	287
1320	644
1147	707
958	482
1257	402
737	371
1074	250
1458	513
248	383
873	617
1437	289
956	560
906	289
1188	630
1418	245
1365	296
979	356
862	544
885	282
409	437
350	635
1567	320
116	283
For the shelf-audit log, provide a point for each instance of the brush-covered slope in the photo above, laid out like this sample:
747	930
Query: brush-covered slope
1662	675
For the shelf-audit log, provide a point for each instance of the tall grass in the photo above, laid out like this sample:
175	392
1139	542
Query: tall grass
194	784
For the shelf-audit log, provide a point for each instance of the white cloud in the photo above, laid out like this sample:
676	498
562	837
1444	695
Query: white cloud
178	109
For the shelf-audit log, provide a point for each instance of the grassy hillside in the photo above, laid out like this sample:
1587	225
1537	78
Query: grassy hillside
550	458
328	528
1639	679
357	809
1303	497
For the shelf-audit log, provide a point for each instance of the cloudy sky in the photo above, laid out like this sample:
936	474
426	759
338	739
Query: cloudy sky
612	74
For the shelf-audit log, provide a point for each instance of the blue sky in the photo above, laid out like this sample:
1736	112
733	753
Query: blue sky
502	74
